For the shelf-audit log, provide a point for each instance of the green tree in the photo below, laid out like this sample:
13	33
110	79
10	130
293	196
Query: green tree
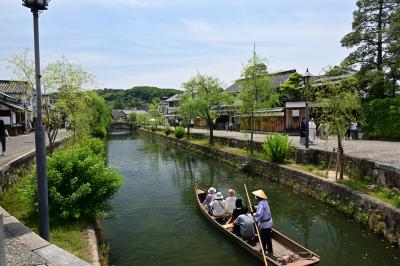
142	119
118	105
292	89
209	99
187	109
256	91
100	114
155	115
133	117
372	38
339	107
62	83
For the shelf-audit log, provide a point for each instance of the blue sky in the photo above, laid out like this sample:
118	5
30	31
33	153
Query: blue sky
162	43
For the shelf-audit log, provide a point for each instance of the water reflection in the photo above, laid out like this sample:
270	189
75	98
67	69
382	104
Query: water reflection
157	221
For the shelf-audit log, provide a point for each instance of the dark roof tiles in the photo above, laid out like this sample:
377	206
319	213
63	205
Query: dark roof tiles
14	87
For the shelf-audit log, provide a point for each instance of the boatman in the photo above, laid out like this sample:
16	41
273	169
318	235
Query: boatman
264	219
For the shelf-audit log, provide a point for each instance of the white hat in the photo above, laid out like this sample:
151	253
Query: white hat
260	193
219	196
212	190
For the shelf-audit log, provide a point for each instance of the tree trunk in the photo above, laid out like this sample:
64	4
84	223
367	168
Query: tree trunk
188	131
379	59
251	132
340	153
211	141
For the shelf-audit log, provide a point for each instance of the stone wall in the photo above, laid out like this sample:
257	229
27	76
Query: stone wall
380	217
381	174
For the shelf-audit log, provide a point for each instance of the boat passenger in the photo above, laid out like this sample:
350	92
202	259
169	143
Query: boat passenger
240	209
244	225
210	197
264	219
218	205
230	202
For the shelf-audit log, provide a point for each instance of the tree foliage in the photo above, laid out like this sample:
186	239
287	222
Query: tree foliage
382	118
137	97
372	37
292	88
339	107
187	109
209	99
256	91
80	184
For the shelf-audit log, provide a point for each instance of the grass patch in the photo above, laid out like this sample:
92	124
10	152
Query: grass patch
67	236
383	194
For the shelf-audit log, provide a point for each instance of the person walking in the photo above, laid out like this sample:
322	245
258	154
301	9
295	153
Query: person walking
3	135
264	219
312	130
303	132
353	130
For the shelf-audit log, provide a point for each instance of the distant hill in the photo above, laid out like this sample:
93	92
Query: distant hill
136	97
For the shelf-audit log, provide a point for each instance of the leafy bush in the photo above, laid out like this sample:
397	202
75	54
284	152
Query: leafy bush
386	193
382	117
277	147
99	132
95	145
79	182
167	130
153	128
179	132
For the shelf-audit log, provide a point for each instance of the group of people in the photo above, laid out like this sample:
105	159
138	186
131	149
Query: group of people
236	213
312	131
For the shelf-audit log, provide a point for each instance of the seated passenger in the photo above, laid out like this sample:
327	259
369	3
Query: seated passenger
240	209
244	225
230	202
218	205
210	197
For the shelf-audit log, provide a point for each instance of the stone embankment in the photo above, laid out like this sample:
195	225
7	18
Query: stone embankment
378	216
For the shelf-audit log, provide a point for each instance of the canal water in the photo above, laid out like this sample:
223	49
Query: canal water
156	220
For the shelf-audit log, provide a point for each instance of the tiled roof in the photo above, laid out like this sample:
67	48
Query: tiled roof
13	86
174	98
277	79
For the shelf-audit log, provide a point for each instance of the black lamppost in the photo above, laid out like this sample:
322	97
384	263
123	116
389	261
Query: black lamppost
306	78
40	142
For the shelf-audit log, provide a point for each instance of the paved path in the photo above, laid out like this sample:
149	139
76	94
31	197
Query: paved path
386	152
22	144
24	247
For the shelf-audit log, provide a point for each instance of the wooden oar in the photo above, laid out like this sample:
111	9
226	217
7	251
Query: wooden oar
255	223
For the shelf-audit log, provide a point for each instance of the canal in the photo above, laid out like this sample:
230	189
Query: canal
156	220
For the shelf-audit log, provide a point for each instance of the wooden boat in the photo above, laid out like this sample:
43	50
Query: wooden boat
286	251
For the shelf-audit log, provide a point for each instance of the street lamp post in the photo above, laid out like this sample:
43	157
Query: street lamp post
306	78
40	142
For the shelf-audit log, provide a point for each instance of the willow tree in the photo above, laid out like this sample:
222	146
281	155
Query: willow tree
209	99
62	83
187	109
339	107
256	91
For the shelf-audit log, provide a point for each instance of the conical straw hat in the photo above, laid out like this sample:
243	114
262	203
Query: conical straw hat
260	193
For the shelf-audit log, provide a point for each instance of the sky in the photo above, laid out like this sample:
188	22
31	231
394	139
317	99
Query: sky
127	43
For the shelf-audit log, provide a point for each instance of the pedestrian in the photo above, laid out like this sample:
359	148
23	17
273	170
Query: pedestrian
230	202
264	219
303	132
312	129
353	130
3	135
226	125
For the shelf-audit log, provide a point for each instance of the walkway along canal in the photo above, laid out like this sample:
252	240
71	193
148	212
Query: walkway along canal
157	222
